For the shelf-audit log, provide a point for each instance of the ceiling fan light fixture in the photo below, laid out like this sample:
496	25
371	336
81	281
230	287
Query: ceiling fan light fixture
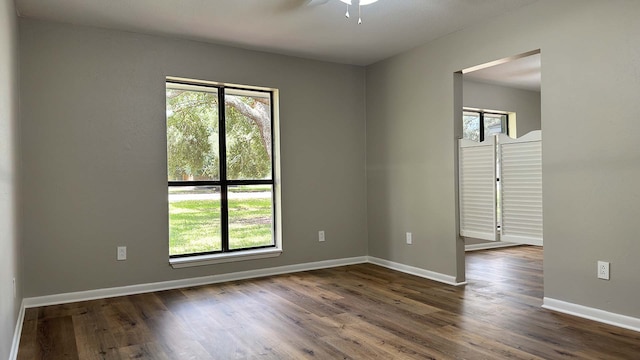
360	4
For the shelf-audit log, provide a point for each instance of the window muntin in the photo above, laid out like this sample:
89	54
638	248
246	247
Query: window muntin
220	169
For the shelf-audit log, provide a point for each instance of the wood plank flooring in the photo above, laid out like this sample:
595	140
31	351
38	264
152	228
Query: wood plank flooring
352	312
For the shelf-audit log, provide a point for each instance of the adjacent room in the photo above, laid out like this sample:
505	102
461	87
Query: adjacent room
292	179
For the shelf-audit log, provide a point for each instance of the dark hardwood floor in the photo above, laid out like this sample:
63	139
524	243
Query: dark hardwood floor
352	312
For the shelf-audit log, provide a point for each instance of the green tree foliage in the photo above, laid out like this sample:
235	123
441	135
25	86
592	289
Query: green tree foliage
192	136
471	126
247	156
192	123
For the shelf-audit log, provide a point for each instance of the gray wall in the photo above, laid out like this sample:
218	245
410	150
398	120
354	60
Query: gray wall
94	151
591	158
526	104
10	254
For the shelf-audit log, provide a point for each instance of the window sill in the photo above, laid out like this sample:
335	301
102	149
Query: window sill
200	260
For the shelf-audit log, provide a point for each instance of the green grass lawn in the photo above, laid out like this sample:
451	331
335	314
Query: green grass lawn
194	225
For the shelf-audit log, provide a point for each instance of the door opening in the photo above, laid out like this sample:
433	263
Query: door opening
505	94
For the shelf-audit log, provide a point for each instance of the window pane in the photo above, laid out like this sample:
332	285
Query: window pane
192	133
194	219
494	124
250	216
471	125
248	130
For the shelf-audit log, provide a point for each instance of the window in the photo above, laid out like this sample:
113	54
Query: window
220	166
477	125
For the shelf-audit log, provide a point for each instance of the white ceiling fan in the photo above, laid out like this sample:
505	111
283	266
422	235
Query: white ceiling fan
359	3
348	2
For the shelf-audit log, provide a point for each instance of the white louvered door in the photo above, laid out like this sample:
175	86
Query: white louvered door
521	188
519	194
477	175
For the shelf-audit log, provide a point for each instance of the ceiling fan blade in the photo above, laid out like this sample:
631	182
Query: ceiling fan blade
295	4
316	2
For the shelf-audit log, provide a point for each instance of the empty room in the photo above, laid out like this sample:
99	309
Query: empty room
330	179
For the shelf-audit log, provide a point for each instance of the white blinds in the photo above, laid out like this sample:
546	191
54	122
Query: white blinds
519	195
477	163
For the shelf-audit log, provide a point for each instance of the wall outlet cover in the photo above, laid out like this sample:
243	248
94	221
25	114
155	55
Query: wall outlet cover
603	270
122	253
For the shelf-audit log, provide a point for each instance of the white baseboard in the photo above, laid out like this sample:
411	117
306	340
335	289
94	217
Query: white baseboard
64	298
176	284
525	240
15	344
489	245
431	275
594	314
212	279
602	316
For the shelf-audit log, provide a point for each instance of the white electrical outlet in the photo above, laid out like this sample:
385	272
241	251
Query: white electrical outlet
321	235
409	238
603	270
122	253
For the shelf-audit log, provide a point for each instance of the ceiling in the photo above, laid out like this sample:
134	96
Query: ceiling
315	29
523	73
